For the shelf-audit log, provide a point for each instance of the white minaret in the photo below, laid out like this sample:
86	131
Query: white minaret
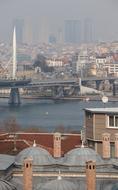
14	53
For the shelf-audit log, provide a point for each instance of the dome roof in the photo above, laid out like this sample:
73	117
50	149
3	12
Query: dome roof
59	184
115	187
4	185
6	161
79	156
39	155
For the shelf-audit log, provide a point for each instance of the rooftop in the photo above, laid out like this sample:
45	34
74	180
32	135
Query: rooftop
6	161
59	184
102	110
79	156
39	155
5	185
25	140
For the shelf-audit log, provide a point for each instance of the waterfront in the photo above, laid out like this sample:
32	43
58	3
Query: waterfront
49	115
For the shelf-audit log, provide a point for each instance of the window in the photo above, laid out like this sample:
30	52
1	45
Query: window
112	150
89	115
113	121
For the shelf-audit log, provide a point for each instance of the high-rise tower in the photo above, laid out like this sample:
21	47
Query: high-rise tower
73	31
28	32
44	30
88	31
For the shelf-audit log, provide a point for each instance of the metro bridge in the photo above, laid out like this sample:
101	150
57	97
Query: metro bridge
98	80
109	78
13	83
10	83
16	84
57	86
80	81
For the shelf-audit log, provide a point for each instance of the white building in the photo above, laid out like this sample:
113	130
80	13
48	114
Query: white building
83	59
100	61
54	62
112	68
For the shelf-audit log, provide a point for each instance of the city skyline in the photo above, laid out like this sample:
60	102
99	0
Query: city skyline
72	31
55	12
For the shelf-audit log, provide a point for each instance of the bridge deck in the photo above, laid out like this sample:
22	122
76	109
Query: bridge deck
11	83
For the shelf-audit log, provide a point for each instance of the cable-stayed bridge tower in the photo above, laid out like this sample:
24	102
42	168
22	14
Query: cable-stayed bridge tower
14	83
14	94
14	54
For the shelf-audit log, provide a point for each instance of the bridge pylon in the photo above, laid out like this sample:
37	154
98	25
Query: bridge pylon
14	98
14	54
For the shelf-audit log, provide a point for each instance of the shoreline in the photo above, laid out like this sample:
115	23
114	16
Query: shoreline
85	98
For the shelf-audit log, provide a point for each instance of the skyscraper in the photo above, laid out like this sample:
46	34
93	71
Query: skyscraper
73	31
59	35
44	30
19	25
28	32
88	33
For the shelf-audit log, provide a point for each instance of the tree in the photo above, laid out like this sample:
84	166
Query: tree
40	61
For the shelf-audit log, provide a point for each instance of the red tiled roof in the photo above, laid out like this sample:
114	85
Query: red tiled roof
45	140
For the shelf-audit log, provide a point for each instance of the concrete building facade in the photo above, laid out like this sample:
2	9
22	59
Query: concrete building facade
102	127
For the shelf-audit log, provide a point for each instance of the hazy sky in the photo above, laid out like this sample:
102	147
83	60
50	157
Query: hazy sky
103	13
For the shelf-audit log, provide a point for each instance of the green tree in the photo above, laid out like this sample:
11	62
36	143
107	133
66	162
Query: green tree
40	61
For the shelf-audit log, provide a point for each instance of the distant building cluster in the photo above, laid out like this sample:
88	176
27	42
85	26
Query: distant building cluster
77	32
73	31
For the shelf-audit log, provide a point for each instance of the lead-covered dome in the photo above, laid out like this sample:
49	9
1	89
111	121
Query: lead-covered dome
115	187
39	156
59	184
79	156
5	185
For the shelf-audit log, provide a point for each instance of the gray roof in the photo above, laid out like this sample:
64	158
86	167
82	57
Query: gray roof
5	185
102	110
79	156
115	187
39	155
6	161
59	184
39	183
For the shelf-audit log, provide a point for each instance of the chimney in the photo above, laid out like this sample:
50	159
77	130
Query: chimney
27	174
116	145
57	145
91	175
106	145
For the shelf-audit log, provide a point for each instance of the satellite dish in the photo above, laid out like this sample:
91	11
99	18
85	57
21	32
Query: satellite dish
104	99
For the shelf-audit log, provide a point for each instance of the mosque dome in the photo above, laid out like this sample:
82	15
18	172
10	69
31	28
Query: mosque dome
79	156
39	156
5	185
59	184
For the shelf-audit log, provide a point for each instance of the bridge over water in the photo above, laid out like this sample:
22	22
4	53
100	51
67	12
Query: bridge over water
80	81
58	86
10	83
14	85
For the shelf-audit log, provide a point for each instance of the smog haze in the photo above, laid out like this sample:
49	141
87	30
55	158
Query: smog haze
53	13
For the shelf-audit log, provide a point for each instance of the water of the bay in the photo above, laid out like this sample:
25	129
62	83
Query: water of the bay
48	115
